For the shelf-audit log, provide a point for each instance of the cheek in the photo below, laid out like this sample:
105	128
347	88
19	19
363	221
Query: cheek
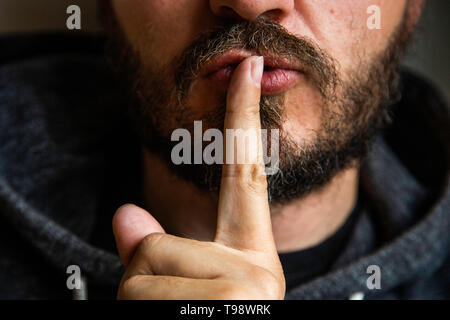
161	30
303	113
390	16
340	27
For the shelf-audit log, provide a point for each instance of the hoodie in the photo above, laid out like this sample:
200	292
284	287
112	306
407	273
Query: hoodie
68	159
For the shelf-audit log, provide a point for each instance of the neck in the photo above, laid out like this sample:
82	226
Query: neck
185	211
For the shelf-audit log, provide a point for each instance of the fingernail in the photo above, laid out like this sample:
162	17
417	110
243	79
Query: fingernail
257	70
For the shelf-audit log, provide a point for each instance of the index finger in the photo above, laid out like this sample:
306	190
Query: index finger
243	214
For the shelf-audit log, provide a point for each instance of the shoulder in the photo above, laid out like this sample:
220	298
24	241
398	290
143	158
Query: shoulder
56	78
20	47
58	95
419	132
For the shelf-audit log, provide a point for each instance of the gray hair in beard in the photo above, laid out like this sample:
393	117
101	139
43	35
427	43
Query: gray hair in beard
353	111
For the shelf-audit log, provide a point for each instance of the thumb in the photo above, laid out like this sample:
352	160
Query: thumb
131	225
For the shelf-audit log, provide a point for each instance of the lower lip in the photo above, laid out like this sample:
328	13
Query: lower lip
274	80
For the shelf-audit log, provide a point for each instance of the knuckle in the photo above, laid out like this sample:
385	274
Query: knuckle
247	112
252	179
151	241
150	246
251	112
258	176
236	171
269	286
233	292
129	287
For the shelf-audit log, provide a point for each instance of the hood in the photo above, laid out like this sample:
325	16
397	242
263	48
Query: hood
62	122
405	228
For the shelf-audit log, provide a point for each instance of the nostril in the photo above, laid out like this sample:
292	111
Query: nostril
228	13
274	15
250	10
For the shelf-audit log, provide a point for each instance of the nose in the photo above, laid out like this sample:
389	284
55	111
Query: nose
273	10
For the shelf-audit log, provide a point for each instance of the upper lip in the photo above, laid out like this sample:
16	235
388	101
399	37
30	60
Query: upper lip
234	56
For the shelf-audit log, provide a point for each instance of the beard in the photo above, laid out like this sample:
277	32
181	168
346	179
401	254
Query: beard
354	107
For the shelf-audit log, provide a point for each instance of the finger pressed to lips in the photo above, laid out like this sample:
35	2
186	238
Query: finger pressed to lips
280	73
242	262
243	213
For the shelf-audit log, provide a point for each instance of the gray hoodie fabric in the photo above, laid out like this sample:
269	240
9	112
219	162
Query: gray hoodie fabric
68	159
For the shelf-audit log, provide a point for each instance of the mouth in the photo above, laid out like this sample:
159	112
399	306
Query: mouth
280	74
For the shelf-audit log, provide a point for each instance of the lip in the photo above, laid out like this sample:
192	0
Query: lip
280	74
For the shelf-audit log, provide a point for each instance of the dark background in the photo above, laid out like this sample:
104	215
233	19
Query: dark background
430	53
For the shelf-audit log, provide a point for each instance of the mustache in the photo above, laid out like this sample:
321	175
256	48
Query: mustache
263	38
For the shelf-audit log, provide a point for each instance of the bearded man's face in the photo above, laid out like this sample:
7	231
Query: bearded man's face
329	76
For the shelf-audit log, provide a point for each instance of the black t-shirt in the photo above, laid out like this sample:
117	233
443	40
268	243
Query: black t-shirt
305	265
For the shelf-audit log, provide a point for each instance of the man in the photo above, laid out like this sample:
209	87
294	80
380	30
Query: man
358	205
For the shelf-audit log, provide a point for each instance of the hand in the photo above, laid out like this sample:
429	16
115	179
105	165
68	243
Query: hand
242	261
